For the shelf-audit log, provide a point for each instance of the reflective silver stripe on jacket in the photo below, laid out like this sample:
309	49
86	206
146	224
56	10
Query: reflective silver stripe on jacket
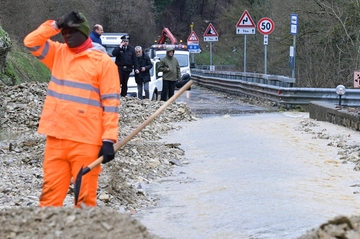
44	51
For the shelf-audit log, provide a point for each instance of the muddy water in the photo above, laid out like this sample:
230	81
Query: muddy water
253	176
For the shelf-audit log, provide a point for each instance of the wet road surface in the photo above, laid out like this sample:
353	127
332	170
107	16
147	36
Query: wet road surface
204	103
251	175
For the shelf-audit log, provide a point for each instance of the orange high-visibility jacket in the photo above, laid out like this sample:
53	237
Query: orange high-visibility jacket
83	96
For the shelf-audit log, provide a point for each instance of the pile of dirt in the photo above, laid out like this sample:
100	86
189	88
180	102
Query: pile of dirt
121	190
59	222
341	227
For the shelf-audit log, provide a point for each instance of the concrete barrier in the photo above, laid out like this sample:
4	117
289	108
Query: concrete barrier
345	116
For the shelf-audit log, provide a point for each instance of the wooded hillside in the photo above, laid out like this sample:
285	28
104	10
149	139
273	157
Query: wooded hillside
327	43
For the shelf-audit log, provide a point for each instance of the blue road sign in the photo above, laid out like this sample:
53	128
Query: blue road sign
193	47
293	24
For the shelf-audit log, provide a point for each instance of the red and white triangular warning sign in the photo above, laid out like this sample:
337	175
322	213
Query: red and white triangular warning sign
245	20
193	37
210	31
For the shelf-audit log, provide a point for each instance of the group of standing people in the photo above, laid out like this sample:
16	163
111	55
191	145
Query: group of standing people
128	58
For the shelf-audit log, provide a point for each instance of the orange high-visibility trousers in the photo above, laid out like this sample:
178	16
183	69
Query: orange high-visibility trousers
62	161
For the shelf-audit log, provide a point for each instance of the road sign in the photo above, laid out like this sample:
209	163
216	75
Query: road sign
293	24
193	37
356	79
265	26
245	25
266	39
210	33
193	43
193	47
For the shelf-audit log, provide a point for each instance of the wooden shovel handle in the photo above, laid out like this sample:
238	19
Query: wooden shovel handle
121	143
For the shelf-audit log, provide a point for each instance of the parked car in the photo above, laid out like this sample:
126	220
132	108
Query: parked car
155	85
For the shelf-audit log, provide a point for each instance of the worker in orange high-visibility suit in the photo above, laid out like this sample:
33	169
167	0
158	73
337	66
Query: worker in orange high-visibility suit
80	112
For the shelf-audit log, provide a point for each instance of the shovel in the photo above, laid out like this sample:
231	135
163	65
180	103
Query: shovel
121	143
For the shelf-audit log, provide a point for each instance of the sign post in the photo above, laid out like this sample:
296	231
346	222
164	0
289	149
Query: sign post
265	26
245	26
191	30
193	43
293	31
211	35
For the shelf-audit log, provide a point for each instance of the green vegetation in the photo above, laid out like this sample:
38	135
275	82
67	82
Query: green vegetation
218	58
21	66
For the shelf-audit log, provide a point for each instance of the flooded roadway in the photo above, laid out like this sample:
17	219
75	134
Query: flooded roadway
252	176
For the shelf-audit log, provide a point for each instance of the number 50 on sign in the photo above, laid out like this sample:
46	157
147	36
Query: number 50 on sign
265	26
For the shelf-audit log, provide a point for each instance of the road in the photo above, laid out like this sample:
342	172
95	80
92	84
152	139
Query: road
258	175
207	103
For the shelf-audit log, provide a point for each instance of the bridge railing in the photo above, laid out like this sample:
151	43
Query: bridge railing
274	88
276	80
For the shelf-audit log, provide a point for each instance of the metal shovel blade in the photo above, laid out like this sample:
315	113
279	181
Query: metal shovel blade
77	185
78	180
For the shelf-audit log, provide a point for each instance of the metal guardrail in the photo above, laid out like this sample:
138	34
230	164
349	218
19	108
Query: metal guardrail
217	67
276	80
272	88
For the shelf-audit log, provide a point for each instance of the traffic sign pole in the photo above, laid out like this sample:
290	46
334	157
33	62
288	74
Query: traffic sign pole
265	58
192	54
210	53
245	26
244	53
211	35
266	41
193	43
265	26
293	31
293	69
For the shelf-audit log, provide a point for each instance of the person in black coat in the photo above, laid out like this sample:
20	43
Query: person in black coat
143	77
126	62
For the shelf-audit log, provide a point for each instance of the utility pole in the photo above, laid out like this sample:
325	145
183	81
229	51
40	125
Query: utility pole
191	30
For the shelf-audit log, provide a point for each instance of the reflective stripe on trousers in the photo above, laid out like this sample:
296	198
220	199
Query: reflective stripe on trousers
62	161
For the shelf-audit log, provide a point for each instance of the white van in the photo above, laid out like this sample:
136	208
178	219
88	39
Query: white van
155	85
110	41
181	53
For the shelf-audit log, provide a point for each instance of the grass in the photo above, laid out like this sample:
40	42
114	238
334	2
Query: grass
218	57
24	67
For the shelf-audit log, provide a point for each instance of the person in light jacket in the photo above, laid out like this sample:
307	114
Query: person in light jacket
170	67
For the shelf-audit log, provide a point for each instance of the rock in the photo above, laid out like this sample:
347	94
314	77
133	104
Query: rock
175	162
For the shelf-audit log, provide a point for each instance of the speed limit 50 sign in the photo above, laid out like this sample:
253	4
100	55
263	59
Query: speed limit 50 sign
265	26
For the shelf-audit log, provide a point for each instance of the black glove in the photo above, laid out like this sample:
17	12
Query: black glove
70	20
107	151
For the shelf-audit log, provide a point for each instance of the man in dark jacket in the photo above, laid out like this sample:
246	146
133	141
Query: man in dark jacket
96	33
143	77
126	61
